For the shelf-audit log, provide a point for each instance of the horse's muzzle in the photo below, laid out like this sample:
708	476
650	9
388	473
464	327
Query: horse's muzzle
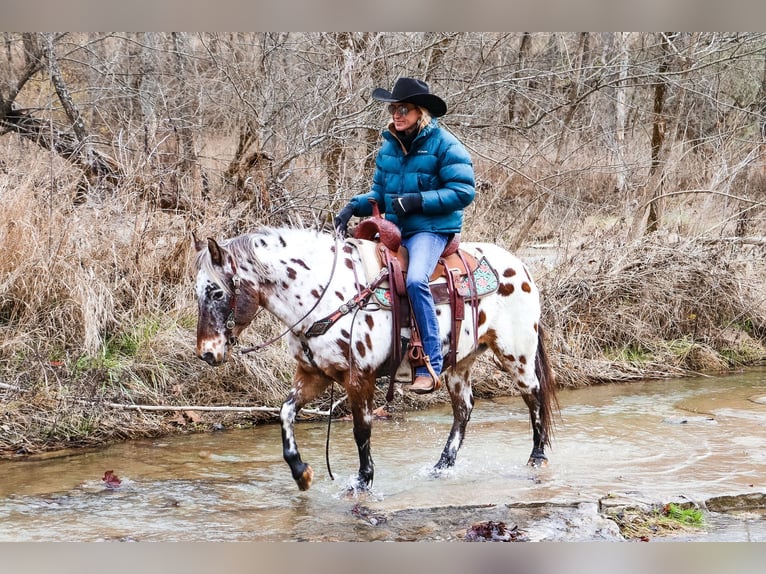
211	359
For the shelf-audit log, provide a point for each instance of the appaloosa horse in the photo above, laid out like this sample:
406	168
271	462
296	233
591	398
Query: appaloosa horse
303	276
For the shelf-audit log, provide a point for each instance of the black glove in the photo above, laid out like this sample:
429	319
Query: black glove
341	220
407	204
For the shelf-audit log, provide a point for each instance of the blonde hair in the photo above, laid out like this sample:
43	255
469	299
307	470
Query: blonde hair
425	118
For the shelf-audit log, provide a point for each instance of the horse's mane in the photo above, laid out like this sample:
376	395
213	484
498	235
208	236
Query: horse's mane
248	246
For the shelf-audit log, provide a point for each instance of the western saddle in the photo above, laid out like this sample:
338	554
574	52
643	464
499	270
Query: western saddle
453	265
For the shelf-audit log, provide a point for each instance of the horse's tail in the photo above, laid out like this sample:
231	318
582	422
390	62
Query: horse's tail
545	376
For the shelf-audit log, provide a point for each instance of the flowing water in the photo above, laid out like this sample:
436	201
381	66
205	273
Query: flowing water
690	439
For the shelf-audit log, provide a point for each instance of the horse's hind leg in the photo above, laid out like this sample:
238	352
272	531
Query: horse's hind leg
461	396
528	366
307	386
533	400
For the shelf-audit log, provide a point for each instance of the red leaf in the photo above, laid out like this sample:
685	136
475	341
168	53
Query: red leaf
111	480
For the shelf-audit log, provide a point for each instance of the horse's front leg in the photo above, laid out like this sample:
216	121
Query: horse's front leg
461	396
307	386
361	402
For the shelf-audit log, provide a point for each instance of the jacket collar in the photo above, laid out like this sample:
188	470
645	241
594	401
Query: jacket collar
390	133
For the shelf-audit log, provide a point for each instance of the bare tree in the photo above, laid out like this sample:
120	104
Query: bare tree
73	141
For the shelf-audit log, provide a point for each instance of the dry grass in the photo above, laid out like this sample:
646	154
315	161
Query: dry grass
662	306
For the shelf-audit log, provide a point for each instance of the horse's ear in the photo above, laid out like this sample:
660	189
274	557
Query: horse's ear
199	245
216	253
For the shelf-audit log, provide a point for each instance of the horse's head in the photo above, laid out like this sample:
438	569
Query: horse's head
226	304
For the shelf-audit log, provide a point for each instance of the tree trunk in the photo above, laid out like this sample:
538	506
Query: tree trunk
664	133
147	91
514	110
621	111
659	124
544	198
186	106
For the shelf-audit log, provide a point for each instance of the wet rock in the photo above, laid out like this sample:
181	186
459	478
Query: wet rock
616	502
638	518
749	501
583	522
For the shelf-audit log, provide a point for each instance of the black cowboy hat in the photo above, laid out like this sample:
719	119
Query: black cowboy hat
415	92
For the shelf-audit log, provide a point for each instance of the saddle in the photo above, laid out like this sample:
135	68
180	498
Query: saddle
453	282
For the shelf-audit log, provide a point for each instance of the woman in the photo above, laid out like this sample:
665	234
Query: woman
423	180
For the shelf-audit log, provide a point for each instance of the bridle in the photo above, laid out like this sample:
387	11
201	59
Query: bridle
231	321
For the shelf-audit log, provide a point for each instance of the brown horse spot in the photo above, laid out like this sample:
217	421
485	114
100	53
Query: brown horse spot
505	289
345	333
368	341
521	370
291	273
482	317
523	360
284	285
348	263
511	358
510	272
343	346
360	348
301	263
526	287
369	320
340	296
346	249
315	293
535	327
438	312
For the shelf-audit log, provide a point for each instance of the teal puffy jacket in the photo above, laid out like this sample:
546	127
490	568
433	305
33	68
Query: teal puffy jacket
437	167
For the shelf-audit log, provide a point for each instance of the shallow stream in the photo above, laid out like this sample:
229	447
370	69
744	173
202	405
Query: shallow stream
695	439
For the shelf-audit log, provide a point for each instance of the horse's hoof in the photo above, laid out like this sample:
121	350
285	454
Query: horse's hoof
356	488
537	462
304	482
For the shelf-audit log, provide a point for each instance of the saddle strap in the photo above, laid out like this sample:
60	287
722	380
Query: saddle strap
395	273
458	312
457	305
400	308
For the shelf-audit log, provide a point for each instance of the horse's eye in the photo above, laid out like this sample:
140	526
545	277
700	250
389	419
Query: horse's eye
217	295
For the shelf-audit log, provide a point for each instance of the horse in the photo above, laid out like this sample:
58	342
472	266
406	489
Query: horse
302	276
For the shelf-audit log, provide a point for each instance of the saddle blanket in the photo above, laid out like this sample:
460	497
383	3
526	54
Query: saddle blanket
485	278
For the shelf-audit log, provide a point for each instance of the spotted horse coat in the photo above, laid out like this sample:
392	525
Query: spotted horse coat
301	276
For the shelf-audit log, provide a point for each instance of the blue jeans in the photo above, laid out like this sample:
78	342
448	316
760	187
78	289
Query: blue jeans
424	249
